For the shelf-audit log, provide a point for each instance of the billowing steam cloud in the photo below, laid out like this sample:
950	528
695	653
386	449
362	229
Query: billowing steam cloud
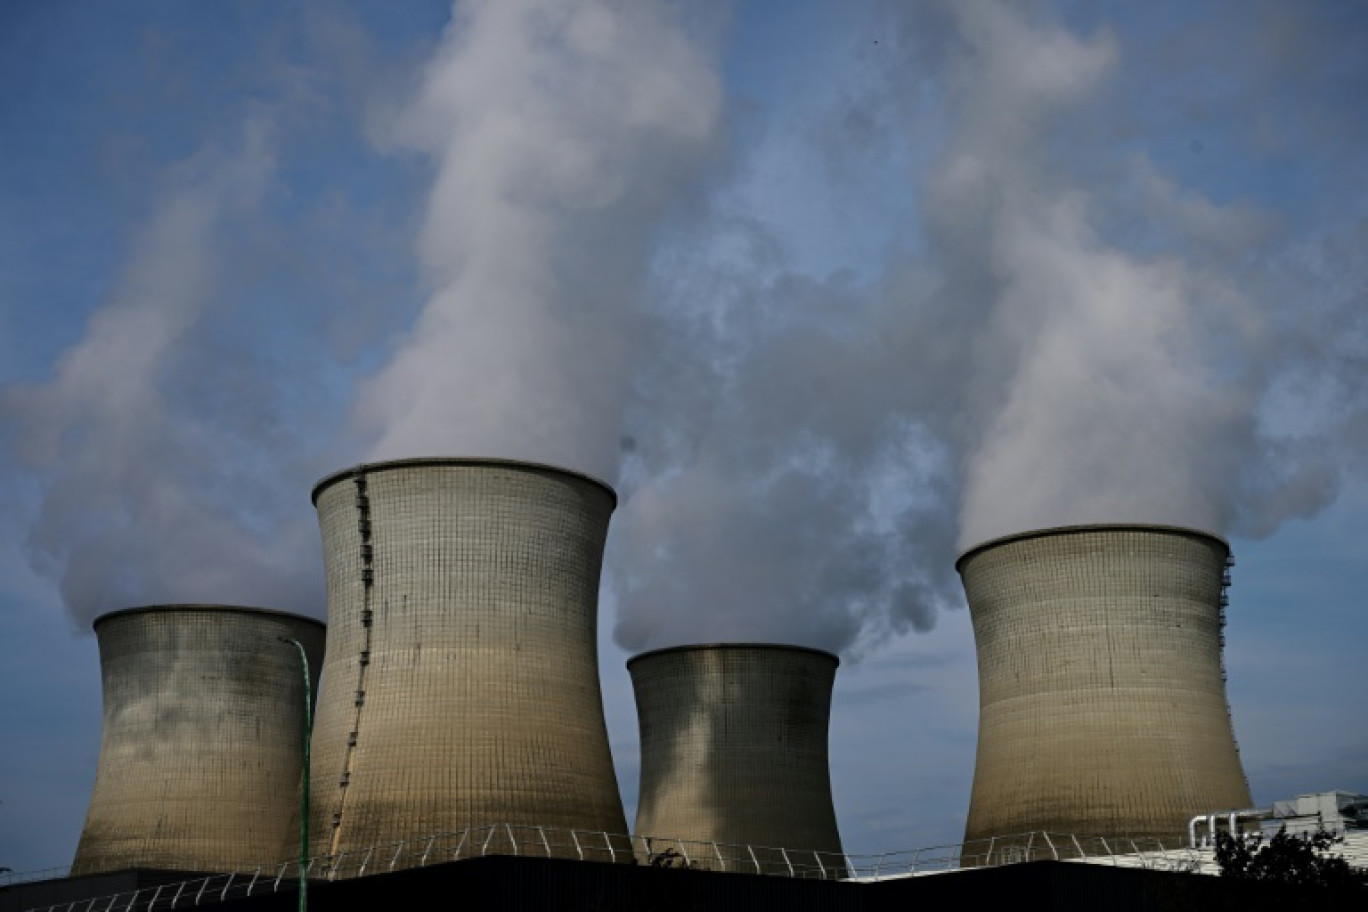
1062	332
144	449
561	133
1094	399
166	465
1033	366
1114	377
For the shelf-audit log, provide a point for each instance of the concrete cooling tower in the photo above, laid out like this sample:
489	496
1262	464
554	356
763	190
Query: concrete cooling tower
461	687
734	751
1102	704
202	748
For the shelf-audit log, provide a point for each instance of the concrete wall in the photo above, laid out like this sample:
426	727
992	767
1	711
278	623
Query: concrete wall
734	750
461	686
202	750
1102	704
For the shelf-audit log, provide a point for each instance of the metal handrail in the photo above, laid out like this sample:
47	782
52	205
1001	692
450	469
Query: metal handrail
544	841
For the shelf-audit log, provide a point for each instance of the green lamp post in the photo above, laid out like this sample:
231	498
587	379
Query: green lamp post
304	800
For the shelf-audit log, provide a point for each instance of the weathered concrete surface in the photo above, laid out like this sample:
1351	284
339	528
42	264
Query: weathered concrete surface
734	750
1102	697
202	744
461	686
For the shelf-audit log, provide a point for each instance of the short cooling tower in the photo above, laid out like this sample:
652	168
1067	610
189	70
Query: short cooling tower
202	748
734	752
462	685
1101	689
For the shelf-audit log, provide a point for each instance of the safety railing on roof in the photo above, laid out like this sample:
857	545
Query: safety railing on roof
581	845
1139	852
473	842
669	852
1023	847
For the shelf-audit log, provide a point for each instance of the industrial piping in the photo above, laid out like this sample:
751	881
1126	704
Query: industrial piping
734	752
1101	688
201	751
461	687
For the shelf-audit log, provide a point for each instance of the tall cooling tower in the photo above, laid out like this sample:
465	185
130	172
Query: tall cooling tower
461	686
202	748
1102	704
734	751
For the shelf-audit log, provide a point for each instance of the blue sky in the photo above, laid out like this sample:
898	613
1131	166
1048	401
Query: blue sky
828	290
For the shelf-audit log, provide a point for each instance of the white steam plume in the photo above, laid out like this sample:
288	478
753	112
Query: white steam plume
561	134
141	445
1092	400
1037	360
1111	382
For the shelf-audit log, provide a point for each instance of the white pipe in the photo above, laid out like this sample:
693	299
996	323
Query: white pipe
1249	814
1232	819
1192	830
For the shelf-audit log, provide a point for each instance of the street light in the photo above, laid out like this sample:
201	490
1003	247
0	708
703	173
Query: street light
304	800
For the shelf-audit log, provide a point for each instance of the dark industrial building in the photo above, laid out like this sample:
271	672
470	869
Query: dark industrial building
521	884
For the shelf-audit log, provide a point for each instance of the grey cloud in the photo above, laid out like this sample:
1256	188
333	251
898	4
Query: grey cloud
1067	344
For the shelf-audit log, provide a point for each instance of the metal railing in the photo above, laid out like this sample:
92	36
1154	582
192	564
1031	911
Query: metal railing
1024	847
581	845
473	842
1140	852
668	852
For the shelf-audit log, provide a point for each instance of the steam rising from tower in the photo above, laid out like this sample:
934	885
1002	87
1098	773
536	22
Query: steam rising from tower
562	135
462	686
1102	696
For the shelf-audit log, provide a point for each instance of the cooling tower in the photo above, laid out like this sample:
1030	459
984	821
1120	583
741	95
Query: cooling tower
734	751
1102	705
461	686
202	748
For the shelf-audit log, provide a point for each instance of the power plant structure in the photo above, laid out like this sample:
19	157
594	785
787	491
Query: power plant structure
734	754
1102	696
202	744
460	699
461	686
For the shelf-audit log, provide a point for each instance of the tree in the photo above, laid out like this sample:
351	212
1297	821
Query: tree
1303	859
670	858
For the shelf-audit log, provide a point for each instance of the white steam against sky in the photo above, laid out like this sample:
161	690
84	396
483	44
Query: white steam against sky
140	444
561	134
1066	334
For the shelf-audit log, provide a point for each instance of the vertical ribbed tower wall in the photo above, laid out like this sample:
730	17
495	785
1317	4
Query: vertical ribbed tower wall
202	744
734	751
462	685
1102	694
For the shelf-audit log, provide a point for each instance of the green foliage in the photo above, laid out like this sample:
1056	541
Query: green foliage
670	859
1304	859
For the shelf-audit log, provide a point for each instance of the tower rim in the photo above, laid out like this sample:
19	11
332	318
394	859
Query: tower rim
203	606
367	468
1073	529
713	647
